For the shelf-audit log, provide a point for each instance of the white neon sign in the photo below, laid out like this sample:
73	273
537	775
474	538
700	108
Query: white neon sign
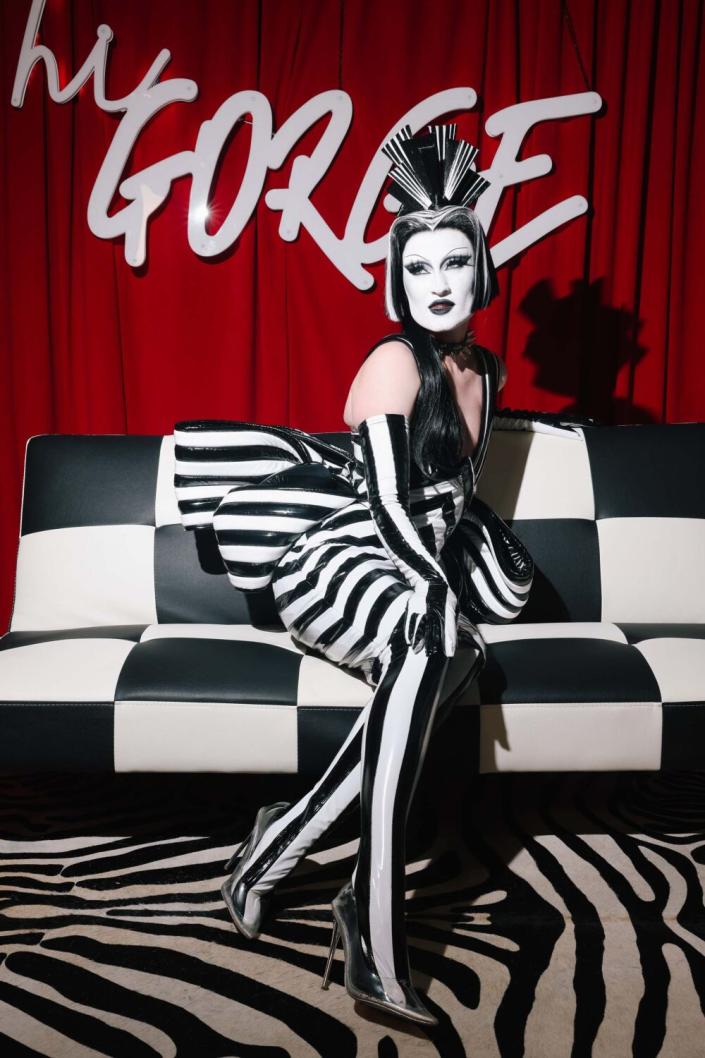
147	189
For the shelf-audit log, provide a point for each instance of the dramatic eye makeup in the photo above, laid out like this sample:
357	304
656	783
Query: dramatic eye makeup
458	261
416	267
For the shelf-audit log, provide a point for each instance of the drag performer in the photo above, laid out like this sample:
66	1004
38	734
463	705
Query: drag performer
368	587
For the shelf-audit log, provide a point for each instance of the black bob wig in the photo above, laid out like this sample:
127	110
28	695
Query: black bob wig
435	427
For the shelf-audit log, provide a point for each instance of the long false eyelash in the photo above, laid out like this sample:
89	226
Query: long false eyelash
414	268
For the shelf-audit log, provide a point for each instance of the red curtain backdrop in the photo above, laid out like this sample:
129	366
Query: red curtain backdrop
603	316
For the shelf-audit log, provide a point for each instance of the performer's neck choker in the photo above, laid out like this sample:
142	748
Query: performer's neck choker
466	346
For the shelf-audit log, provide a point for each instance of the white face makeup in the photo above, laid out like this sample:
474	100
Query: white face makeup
439	274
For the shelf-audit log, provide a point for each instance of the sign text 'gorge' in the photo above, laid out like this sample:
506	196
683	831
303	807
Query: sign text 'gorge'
147	189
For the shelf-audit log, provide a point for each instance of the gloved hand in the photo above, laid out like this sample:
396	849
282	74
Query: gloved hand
431	619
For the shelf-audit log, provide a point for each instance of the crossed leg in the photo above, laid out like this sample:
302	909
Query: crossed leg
394	745
379	764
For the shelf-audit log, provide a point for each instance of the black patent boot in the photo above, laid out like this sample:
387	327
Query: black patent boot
233	891
361	981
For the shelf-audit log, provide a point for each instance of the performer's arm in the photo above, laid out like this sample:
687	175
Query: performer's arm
384	442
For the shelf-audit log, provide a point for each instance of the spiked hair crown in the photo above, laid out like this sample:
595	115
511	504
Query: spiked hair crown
433	171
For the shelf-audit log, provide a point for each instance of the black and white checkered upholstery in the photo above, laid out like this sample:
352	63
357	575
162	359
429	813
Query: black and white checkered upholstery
128	650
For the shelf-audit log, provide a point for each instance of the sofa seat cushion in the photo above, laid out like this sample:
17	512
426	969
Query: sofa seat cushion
57	689
592	696
168	697
235	698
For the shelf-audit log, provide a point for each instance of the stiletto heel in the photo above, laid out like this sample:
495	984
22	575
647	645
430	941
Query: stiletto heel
361	982
234	893
229	866
333	945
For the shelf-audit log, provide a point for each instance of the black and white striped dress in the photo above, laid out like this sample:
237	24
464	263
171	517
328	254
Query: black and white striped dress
336	589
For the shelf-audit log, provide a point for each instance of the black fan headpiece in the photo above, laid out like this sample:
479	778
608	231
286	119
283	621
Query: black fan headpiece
433	171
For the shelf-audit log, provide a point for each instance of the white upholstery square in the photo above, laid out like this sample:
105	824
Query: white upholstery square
86	575
652	569
166	509
63	670
323	683
551	630
678	666
570	736
240	632
537	475
205	736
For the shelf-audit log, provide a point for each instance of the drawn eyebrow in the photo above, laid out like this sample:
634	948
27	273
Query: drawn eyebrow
460	252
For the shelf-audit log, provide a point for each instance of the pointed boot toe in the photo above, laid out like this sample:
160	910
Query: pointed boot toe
362	983
233	889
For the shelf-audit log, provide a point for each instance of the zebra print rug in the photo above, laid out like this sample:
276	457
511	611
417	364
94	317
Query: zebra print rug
548	915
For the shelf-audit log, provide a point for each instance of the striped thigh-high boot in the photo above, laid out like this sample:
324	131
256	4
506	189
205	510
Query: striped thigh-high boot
289	837
394	746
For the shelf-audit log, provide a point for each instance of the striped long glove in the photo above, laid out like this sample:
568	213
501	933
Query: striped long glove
431	614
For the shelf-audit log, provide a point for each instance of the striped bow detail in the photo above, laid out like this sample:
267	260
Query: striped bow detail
259	487
491	570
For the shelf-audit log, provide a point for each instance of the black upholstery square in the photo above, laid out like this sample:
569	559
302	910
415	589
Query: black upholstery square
321	731
652	470
191	583
88	480
636	633
683	736
22	639
341	438
195	669
558	669
566	556
61	736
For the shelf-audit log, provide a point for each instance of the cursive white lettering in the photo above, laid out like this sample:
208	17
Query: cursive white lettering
147	189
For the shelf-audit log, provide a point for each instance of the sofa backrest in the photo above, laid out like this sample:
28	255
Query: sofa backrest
101	541
613	516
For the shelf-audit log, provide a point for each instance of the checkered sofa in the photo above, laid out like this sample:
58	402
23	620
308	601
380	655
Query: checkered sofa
128	650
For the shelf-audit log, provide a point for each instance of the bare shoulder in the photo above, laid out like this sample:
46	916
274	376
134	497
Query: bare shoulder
388	381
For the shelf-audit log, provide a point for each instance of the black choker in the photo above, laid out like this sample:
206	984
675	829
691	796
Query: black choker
453	348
